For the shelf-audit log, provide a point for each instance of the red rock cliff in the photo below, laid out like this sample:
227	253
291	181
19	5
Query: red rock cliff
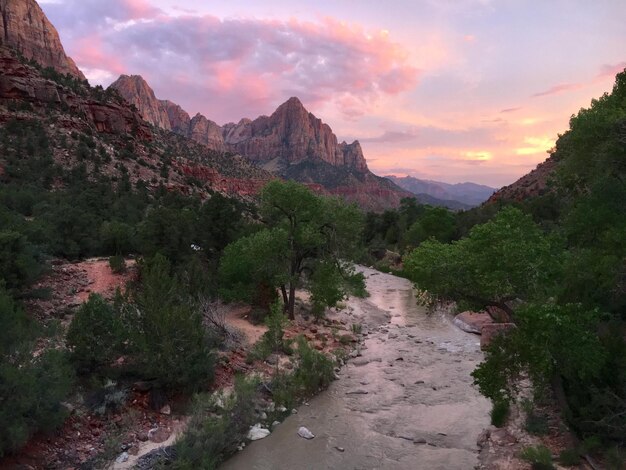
25	27
135	90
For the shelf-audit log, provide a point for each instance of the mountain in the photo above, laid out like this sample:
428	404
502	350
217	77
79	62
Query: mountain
137	92
25	28
467	194
78	118
531	184
291	143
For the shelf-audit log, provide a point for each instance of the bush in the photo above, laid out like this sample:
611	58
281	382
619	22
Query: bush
117	264
31	388
96	335
539	457
569	457
499	413
170	341
273	340
215	431
315	371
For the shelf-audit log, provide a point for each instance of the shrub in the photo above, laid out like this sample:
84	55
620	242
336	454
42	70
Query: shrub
315	371
31	388
539	457
215	431
499	413
569	457
536	424
170	341
96	335
117	264
273	340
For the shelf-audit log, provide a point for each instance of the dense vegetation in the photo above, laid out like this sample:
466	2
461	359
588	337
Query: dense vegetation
304	235
157	327
556	265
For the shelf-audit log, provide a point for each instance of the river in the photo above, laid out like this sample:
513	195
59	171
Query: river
406	403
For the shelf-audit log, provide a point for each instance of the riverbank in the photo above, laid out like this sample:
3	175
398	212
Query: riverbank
405	402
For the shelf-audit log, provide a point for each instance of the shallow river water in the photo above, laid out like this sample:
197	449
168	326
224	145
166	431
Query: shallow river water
406	403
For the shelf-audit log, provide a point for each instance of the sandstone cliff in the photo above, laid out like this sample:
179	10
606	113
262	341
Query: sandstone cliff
136	91
178	118
21	83
291	143
24	27
293	135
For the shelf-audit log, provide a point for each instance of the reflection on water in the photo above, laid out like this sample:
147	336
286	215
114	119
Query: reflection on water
406	403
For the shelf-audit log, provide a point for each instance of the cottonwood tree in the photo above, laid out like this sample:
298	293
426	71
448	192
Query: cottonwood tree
303	234
505	259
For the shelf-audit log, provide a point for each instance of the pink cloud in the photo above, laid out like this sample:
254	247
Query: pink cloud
90	53
560	88
249	63
608	70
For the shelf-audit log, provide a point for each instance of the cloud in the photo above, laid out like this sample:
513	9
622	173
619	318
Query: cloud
560	88
608	70
230	64
535	145
510	110
432	136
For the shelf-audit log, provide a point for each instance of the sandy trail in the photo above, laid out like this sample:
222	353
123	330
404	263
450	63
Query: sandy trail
407	403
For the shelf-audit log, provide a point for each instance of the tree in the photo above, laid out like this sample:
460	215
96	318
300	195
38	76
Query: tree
96	335
31	388
505	259
18	262
303	232
169	341
435	222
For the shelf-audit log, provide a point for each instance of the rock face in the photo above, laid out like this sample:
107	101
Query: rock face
206	132
25	27
178	118
472	322
136	91
291	143
22	83
293	135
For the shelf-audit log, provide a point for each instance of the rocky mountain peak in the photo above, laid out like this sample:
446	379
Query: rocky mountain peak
25	27
135	90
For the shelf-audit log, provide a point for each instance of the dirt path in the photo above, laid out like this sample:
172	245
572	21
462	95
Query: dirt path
101	279
406	403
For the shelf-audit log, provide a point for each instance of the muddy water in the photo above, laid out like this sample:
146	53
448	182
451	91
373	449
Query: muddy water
406	403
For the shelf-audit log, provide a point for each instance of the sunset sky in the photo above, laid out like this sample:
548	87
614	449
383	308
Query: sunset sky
450	90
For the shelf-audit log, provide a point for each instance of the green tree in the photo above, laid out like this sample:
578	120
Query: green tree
31	388
19	265
96	335
502	260
303	232
170	341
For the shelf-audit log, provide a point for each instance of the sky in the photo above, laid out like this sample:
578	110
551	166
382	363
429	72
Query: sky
448	90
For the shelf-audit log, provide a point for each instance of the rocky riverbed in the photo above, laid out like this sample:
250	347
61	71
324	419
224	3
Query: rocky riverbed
406	401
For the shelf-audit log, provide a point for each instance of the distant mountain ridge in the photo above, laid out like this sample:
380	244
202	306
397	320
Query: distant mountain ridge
467	194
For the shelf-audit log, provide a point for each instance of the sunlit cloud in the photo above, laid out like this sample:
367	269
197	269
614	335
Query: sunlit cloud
481	155
535	145
441	90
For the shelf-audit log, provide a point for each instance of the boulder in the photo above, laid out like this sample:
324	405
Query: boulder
257	432
305	433
472	322
491	330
